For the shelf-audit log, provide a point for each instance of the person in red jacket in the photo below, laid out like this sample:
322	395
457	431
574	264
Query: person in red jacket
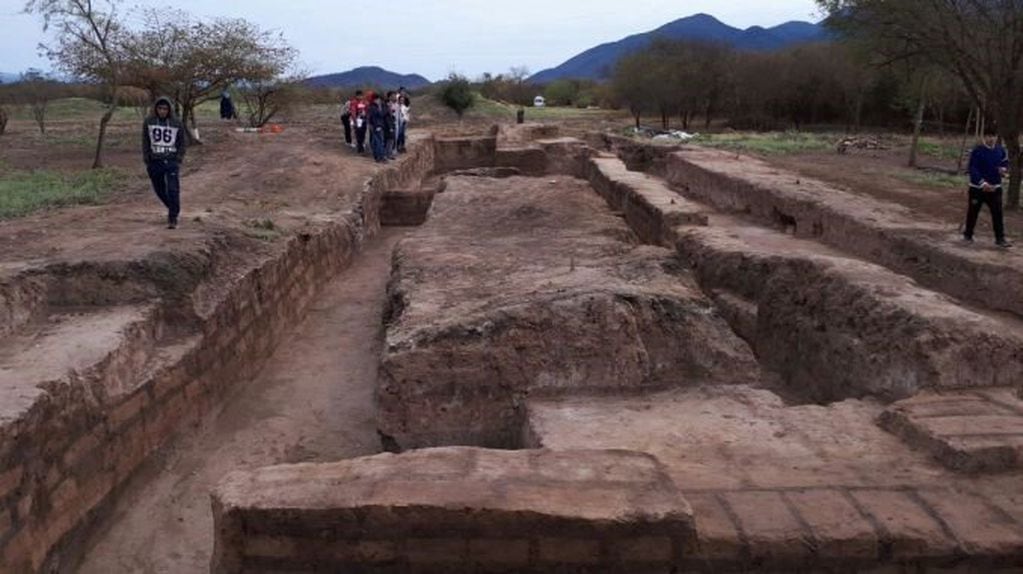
359	110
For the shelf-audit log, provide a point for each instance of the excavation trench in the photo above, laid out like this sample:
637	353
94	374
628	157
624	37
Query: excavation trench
553	298
549	293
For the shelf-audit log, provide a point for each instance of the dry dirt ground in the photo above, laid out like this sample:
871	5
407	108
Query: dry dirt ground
884	175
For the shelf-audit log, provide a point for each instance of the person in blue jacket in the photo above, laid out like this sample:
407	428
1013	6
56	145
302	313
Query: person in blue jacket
989	163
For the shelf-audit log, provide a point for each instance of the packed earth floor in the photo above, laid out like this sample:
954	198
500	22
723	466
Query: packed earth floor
583	354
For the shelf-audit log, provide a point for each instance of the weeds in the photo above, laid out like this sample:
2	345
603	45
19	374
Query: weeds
772	143
25	192
933	179
262	229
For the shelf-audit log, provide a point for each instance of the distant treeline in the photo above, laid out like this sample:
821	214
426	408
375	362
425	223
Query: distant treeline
689	85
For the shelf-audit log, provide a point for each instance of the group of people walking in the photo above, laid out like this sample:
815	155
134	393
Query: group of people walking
385	118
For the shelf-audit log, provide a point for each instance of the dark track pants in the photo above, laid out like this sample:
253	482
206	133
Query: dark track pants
346	121
164	175
360	138
978	199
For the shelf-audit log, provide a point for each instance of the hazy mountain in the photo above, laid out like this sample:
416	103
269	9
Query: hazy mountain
368	76
6	78
597	62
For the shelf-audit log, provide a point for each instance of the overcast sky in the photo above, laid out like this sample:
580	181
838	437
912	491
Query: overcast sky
434	37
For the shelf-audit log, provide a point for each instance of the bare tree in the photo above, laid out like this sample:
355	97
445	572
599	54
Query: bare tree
266	100
37	92
195	61
88	40
981	43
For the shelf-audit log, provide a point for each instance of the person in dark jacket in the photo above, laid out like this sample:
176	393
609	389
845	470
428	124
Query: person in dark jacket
989	163
359	110
163	150
227	111
346	120
377	128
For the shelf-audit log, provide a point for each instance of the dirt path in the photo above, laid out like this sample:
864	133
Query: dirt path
313	402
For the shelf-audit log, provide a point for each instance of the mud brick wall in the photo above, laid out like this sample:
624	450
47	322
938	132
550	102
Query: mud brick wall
419	162
455	510
877	231
64	459
852	530
20	298
454	153
837	328
528	160
650	208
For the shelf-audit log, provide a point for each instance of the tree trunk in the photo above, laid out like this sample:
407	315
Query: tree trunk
858	114
638	117
188	122
962	148
97	161
664	120
918	123
1015	169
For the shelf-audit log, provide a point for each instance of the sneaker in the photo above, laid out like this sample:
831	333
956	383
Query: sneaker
1003	244
172	224
967	240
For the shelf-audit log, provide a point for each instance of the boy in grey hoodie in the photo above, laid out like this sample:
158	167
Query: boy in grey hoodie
163	150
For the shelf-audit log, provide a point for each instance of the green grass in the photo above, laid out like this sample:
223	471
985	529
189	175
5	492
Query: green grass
24	192
940	149
492	109
86	109
771	143
933	179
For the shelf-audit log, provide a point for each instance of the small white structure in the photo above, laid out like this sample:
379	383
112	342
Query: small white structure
539	102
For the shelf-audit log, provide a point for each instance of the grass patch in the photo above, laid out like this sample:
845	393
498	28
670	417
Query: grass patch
262	229
492	109
939	149
770	143
86	109
25	192
933	179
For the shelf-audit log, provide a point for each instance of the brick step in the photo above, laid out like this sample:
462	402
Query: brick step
974	432
779	488
455	510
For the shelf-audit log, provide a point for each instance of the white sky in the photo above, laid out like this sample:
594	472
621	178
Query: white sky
434	37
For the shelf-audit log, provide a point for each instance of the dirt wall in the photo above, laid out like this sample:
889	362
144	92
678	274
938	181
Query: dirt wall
66	447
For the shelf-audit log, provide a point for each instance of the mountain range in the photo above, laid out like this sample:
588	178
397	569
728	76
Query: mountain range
597	63
368	76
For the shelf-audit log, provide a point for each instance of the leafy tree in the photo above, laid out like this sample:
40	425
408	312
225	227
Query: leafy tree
561	92
457	94
630	82
89	37
981	43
